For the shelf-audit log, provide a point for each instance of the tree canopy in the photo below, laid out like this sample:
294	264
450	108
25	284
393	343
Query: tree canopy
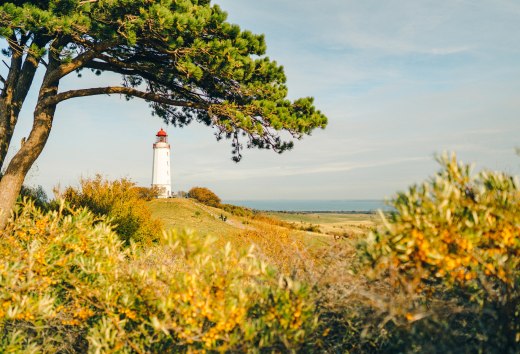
181	56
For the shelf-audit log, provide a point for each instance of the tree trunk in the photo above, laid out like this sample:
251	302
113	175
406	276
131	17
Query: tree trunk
16	88
6	105
14	176
6	131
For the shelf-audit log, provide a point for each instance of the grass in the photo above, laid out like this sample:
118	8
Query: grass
302	238
183	214
313	229
335	224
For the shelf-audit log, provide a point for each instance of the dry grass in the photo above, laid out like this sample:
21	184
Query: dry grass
280	241
319	258
180	214
334	224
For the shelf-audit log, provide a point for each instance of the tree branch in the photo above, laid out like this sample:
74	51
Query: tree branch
81	60
123	91
13	74
125	68
99	65
28	70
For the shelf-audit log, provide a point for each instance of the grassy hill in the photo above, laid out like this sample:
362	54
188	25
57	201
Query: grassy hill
284	238
180	213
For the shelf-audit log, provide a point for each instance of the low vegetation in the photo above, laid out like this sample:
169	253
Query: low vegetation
67	283
122	202
204	196
451	252
237	210
147	193
36	194
438	274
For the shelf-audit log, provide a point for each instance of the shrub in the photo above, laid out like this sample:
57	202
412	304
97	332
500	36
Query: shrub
311	228
36	194
68	285
237	210
122	202
51	266
454	241
147	193
204	196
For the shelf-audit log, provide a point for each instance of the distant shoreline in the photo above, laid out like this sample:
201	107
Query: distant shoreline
320	211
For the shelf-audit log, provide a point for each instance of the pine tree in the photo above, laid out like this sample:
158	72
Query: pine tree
180	56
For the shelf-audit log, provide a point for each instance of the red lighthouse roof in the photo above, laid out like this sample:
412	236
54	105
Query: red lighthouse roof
161	133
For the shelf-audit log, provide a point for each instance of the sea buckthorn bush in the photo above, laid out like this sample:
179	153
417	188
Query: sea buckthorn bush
67	284
453	243
122	202
204	196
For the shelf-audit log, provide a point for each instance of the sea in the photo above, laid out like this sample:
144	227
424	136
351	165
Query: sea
345	206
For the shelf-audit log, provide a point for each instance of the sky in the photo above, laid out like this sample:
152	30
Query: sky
400	81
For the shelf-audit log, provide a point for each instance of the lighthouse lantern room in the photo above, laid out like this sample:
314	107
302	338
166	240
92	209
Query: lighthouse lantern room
161	177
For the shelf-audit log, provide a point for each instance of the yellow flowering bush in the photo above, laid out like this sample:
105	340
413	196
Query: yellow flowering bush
123	203
67	284
456	235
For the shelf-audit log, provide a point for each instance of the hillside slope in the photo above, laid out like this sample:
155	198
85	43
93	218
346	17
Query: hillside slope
281	242
312	228
181	213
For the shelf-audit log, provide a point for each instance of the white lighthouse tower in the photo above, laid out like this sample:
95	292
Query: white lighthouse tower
161	177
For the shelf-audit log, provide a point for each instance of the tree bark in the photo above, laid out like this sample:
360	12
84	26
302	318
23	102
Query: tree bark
14	176
6	105
16	88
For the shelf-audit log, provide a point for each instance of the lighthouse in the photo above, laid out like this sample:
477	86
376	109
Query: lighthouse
161	177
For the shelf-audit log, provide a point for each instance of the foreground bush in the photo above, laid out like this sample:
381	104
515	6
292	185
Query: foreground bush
204	196
68	285
452	248
124	204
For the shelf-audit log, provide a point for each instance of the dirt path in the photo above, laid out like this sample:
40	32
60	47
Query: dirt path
228	220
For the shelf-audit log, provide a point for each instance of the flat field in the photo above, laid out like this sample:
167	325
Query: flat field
335	224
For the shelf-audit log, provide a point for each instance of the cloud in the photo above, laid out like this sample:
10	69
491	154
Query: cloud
449	50
273	172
